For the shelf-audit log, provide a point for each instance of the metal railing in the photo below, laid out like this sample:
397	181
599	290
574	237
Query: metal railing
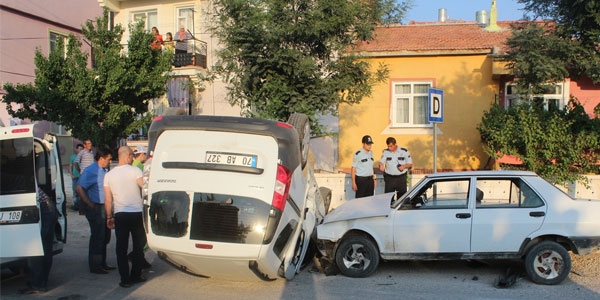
196	56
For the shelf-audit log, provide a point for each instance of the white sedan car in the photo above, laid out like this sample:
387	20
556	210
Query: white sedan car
465	215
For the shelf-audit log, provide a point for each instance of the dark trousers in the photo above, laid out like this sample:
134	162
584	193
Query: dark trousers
75	196
39	266
130	223
365	186
99	236
395	183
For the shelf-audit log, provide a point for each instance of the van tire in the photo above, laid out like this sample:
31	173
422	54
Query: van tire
325	197
302	125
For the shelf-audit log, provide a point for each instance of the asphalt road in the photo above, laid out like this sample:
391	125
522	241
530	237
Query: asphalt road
71	279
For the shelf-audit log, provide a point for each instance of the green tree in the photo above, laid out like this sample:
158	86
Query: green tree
103	103
280	57
565	45
559	145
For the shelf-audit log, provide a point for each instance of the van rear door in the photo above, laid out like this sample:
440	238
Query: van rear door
19	213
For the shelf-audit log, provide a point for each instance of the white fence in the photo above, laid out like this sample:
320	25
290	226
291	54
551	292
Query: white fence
341	186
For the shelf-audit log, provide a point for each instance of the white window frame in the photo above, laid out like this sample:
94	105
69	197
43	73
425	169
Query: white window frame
184	20
149	21
410	97
560	96
53	41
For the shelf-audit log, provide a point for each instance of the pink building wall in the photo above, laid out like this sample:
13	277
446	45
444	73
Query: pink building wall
26	25
587	93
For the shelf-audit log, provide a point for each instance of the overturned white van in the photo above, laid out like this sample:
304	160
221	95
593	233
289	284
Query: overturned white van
231	197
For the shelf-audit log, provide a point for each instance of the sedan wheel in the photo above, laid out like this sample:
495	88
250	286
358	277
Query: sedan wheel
357	256
548	263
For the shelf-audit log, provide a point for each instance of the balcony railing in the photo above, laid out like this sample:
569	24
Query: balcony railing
196	56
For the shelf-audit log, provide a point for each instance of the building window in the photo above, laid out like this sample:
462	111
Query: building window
185	18
111	20
409	104
54	38
553	97
150	18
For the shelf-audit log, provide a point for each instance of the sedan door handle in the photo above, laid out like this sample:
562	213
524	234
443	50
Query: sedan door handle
537	214
463	216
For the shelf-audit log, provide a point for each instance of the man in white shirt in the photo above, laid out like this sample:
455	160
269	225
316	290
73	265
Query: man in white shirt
123	204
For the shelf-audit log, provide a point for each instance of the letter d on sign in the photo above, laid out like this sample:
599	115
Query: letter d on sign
436	105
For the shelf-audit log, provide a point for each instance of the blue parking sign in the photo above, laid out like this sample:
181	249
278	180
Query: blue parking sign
435	106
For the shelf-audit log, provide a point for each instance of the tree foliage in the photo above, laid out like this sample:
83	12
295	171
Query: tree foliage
280	57
559	145
103	103
567	44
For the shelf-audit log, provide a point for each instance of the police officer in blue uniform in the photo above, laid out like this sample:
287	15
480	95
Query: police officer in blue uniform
363	178
395	163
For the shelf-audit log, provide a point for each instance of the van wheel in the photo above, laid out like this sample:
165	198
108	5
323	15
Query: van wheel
302	125
325	197
297	262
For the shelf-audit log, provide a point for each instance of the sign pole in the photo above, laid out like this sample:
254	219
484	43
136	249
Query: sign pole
435	147
435	106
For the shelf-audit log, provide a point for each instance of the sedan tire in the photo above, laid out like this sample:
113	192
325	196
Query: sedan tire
357	256
547	263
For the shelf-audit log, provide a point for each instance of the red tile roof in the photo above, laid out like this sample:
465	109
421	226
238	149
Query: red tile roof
428	37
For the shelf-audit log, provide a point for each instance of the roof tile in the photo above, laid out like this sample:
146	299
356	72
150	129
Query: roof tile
436	36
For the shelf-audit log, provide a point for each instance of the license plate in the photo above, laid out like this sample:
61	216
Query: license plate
10	216
231	159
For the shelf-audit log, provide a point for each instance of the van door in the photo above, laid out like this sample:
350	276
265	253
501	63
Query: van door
19	213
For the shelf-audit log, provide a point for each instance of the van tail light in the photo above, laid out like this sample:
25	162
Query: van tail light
282	187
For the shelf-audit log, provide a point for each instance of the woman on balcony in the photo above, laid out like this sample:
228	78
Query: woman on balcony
157	40
169	43
182	36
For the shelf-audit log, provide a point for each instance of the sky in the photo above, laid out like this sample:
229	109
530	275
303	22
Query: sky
427	10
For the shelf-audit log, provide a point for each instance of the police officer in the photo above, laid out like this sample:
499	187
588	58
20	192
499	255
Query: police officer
363	179
395	163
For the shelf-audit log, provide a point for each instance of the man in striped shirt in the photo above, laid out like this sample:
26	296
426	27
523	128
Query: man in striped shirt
85	157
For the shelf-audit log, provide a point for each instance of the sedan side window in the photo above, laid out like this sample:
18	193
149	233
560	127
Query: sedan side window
506	192
443	194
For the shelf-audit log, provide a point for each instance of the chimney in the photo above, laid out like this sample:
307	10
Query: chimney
493	26
481	18
442	15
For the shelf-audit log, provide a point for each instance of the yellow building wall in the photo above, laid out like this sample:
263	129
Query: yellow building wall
469	90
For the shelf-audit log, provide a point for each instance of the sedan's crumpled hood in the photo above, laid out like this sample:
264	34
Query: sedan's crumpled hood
372	206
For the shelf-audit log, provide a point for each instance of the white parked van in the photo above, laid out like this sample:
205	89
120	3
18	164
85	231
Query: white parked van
28	163
231	197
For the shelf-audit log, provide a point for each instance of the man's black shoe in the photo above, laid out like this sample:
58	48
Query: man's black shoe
99	271
146	265
138	280
125	284
108	268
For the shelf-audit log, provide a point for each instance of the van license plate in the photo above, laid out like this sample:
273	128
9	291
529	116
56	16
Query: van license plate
10	216
231	159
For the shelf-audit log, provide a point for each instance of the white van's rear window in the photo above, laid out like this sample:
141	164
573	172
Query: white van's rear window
17	166
213	217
